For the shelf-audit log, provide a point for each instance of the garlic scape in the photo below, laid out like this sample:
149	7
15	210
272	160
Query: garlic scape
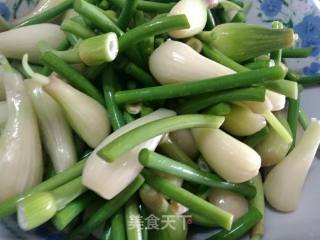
231	159
196	13
175	62
17	42
241	121
231	202
284	183
20	148
42	6
56	133
86	116
98	174
242	41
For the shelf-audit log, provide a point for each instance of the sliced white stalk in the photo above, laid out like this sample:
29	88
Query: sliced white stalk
20	147
196	13
85	115
241	121
17	42
285	181
175	61
232	202
231	159
185	141
42	6
277	100
120	173
56	133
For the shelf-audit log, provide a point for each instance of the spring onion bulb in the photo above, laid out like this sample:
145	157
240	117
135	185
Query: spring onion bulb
184	139
277	100
58	139
231	202
242	121
89	118
42	6
20	148
284	182
273	148
227	156
242	41
17	42
196	13
175	62
124	170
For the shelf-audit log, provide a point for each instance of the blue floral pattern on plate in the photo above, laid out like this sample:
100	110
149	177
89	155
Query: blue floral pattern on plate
302	15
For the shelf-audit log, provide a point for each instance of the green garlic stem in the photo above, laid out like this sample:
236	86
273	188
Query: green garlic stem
77	29
296	52
118	230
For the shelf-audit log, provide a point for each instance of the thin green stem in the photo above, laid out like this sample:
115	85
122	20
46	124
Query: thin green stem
152	28
107	210
74	77
96	16
309	80
127	12
203	101
284	87
216	55
176	90
256	138
296	52
303	118
220	109
115	114
140	75
292	75
77	29
8	207
239	227
147	6
210	21
260	64
133	220
191	201
47	15
161	163
118	229
140	134
293	116
277	55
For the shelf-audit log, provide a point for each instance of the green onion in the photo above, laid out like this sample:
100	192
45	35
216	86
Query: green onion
210	85
303	118
260	64
293	116
309	80
256	138
220	109
118	230
203	101
133	220
115	114
191	201
107	210
219	57
296	52
77	29
47	15
159	162
74	77
292	75
57	199
63	217
140	75
151	28
140	134
284	87
126	13
8	207
258	203
278	127
277	55
96	16
172	150
239	227
147	6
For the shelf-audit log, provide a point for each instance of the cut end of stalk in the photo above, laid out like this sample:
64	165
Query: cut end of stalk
35	210
112	46
143	156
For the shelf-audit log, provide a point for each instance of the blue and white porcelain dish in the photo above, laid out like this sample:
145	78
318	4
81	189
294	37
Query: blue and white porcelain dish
304	17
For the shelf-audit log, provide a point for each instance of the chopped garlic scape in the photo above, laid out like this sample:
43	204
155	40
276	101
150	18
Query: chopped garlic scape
20	147
124	170
285	181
